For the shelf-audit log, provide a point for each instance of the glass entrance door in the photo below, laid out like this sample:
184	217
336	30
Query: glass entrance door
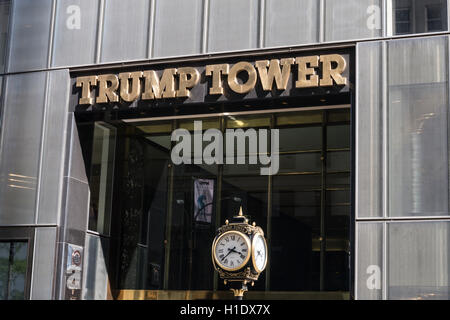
164	215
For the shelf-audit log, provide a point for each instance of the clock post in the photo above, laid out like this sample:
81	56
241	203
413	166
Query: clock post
239	253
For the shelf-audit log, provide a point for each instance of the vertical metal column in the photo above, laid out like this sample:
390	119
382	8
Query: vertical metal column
323	191
269	209
218	201
168	221
385	163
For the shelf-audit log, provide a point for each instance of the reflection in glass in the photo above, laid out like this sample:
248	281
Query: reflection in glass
101	179
311	203
13	267
418	260
165	215
417	127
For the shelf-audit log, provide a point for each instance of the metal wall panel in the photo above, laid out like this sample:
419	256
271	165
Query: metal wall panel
418	127
76	205
352	19
369	129
54	139
183	37
418	260
74	157
291	22
125	30
369	262
21	140
233	25
95	280
43	264
75	32
30	35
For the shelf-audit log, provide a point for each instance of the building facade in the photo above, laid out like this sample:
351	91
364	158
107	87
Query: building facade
93	204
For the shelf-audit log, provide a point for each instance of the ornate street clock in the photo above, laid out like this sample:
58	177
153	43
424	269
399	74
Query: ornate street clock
239	253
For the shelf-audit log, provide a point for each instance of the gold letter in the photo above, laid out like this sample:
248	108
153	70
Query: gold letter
194	78
328	74
281	77
216	70
85	83
304	71
156	89
125	93
232	77
106	93
151	85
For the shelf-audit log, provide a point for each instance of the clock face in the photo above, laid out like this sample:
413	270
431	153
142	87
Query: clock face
259	254
232	250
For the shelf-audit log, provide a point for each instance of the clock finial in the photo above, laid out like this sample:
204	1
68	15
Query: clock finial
240	211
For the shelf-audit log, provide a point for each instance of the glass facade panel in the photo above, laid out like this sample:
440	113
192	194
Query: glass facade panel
183	37
167	213
125	30
417	127
30	35
75	37
291	22
418	260
307	196
95	279
352	19
21	140
13	270
230	18
419	16
369	262
102	173
194	215
4	30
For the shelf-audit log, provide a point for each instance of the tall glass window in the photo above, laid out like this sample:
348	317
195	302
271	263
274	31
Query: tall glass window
165	214
102	169
13	269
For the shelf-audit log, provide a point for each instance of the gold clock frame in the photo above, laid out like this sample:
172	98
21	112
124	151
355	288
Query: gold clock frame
256	235
247	258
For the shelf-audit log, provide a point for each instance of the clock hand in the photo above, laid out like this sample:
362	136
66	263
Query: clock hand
229	251
238	252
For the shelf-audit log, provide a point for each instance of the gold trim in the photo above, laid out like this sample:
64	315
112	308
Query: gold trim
131	294
253	252
247	258
238	292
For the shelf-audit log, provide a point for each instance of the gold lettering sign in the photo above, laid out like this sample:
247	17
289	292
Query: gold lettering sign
311	71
